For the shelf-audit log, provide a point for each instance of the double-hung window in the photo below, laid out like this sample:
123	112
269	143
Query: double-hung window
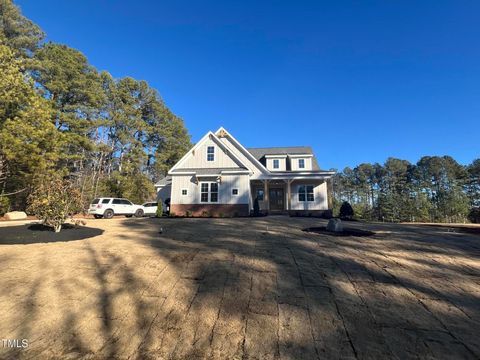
209	192
210	153
276	163
305	193
301	163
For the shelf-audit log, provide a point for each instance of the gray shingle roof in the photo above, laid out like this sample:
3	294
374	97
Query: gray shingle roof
259	153
167	180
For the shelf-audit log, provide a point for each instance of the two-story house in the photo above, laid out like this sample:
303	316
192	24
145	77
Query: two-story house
220	177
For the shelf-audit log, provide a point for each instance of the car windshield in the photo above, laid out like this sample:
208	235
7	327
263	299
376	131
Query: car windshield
95	201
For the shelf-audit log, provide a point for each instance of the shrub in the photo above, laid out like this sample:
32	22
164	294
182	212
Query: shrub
4	205
53	201
474	215
205	214
188	213
256	207
346	211
159	209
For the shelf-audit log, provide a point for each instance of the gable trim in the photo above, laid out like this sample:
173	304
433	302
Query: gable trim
224	133
209	135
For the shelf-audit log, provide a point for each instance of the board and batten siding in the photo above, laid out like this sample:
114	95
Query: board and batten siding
294	163
256	172
198	159
228	182
319	194
282	163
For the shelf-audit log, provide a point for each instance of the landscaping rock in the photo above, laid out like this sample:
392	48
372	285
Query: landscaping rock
335	225
15	215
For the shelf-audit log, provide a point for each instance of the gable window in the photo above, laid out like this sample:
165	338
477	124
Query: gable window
276	163
234	192
209	192
184	192
210	153
301	163
305	193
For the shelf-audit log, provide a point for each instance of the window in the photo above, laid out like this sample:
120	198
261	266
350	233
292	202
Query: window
305	193
260	194
95	201
184	192
105	201
276	163
213	192
234	191
126	202
210	153
204	192
117	201
301	163
209	191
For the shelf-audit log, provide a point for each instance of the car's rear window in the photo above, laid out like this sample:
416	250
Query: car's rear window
95	201
105	201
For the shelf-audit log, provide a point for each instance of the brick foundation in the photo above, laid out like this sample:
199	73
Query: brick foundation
207	210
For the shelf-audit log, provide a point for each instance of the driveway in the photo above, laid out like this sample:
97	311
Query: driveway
259	288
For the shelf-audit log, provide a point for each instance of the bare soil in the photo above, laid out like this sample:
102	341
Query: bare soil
247	288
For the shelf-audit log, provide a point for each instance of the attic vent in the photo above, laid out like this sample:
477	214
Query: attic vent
222	133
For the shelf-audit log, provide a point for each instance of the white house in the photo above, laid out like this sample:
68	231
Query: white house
220	177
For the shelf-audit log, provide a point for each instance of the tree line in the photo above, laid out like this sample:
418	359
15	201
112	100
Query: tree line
435	189
62	118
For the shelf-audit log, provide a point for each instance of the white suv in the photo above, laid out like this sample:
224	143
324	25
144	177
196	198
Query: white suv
107	207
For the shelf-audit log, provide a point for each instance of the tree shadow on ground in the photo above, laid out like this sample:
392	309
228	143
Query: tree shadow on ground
38	233
256	288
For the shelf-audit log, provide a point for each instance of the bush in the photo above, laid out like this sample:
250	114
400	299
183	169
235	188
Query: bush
4	205
256	207
346	211
53	201
474	215
159	209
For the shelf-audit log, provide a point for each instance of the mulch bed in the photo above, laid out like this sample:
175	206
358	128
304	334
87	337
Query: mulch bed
345	232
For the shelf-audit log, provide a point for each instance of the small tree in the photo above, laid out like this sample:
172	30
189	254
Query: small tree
256	207
159	208
53	201
346	211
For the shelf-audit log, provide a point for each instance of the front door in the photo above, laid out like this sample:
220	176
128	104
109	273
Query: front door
276	199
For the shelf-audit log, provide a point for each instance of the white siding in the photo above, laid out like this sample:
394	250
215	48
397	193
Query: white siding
229	182
294	164
282	162
164	193
320	197
248	163
199	158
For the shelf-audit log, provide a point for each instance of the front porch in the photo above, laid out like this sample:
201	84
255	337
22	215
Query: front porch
307	197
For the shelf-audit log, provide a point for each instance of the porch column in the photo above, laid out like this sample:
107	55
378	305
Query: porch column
265	195
289	194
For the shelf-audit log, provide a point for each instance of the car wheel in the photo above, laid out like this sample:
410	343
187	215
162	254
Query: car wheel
128	215
139	213
97	216
108	214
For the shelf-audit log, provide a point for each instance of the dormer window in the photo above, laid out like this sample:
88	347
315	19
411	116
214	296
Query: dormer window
301	163
276	163
211	153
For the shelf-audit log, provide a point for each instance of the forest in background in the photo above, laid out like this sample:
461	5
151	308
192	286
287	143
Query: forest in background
61	118
435	189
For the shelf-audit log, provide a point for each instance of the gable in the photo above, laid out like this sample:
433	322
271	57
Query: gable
196	158
241	153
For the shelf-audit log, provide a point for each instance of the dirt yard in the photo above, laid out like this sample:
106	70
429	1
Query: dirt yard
239	289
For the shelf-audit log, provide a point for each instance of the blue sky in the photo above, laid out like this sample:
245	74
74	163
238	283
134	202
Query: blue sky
358	80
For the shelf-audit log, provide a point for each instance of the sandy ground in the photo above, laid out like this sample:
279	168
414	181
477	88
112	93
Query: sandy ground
239	289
